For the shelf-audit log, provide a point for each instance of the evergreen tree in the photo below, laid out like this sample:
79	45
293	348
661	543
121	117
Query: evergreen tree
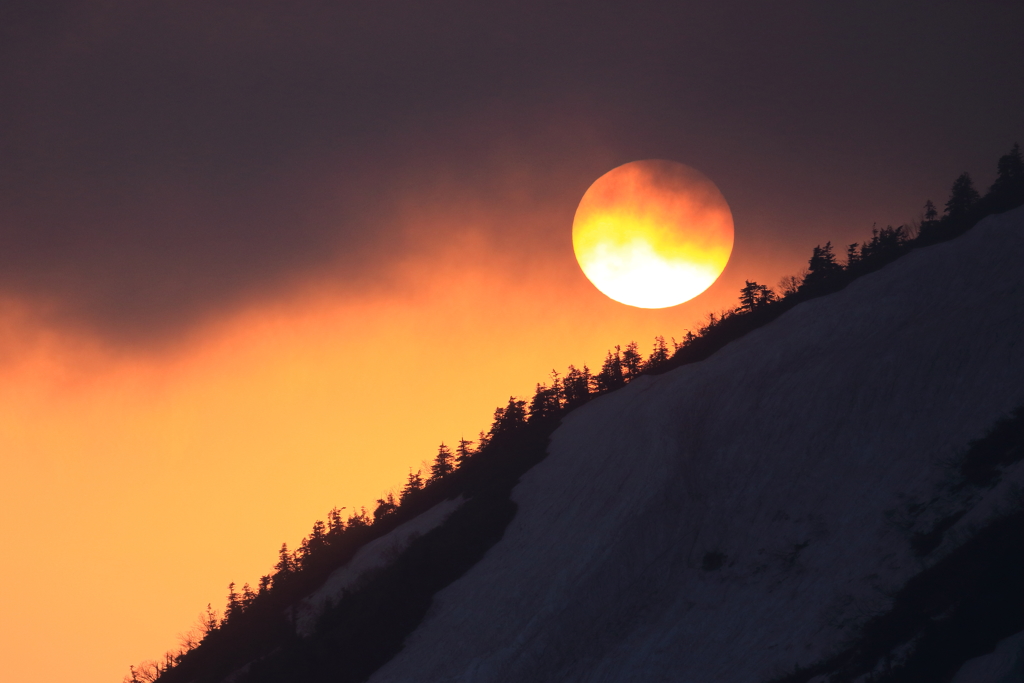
545	402
358	520
632	361
610	377
317	539
754	296
659	355
412	485
765	296
748	295
1007	191
443	463
508	419
463	452
248	597
821	267
335	524
285	566
852	257
576	386
234	606
208	620
483	440
962	198
885	245
930	212
385	507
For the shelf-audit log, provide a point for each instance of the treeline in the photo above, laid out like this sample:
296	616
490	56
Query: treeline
256	620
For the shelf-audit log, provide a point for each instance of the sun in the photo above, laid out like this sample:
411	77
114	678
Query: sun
652	233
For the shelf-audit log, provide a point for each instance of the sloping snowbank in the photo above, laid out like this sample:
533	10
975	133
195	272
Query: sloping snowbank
376	554
790	457
1004	665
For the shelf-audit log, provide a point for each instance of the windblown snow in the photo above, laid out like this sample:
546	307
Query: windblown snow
789	458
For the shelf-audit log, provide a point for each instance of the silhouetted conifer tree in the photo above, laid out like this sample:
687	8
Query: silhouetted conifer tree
632	361
1007	191
335	524
234	606
576	386
659	355
385	507
821	267
358	519
754	296
885	245
463	452
546	401
412	485
208	620
509	418
248	597
443	463
610	377
962	198
852	257
285	566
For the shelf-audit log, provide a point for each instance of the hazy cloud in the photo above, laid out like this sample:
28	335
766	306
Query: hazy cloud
161	162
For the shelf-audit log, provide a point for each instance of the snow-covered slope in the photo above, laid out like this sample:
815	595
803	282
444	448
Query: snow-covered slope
790	457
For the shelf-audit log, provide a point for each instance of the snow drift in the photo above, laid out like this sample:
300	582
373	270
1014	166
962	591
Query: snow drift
738	517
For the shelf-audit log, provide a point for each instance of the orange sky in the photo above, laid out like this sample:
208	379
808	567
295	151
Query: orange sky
139	483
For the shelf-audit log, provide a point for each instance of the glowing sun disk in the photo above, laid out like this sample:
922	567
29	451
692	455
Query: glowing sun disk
652	233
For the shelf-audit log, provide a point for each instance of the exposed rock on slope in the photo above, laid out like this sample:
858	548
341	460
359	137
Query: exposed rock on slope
739	517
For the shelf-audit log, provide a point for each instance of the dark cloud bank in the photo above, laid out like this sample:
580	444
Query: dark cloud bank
161	162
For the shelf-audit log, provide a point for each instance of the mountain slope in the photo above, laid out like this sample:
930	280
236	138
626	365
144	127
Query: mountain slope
739	517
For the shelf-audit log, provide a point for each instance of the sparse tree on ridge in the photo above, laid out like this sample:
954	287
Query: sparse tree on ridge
790	284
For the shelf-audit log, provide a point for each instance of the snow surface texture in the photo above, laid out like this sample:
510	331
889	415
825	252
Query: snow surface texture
377	554
794	452
1005	665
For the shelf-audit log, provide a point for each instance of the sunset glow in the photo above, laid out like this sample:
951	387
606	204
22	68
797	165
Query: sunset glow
653	233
